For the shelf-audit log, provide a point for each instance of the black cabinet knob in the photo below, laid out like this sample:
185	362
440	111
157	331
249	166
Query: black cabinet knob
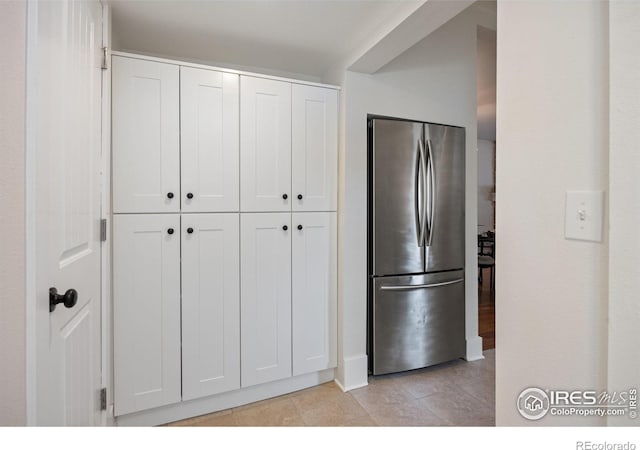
299	196
69	299
285	196
170	231
189	230
285	228
299	227
170	195
189	195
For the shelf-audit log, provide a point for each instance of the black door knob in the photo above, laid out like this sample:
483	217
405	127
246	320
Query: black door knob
299	196
285	228
189	195
170	231
299	227
69	299
189	230
285	196
170	195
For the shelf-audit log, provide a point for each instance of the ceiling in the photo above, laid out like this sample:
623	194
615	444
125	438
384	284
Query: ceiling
298	37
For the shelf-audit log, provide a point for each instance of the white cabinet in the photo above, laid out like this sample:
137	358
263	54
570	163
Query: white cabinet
314	298
265	262
224	235
146	311
145	137
289	281
209	127
175	138
314	148
265	144
288	146
210	304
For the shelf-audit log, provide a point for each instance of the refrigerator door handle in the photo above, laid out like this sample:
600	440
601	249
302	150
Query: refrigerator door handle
389	287
423	214
432	192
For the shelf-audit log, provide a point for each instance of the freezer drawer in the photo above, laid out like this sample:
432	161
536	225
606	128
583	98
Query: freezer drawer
418	321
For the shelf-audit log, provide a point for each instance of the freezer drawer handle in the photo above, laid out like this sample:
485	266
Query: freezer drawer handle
418	286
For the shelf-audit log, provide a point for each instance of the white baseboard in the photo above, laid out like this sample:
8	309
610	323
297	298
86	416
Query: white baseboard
354	373
340	385
207	405
474	349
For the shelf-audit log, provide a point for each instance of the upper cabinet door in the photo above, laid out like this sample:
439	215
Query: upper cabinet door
210	304
145	134
265	145
314	154
209	121
314	287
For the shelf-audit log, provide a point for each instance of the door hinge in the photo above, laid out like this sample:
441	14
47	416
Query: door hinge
105	59
103	230
103	399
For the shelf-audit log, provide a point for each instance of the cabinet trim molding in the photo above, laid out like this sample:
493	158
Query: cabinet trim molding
222	69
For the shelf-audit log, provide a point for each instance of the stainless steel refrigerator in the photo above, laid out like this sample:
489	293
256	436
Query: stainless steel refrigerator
416	215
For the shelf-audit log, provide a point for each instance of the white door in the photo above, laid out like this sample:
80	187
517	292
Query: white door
265	144
209	139
314	287
145	136
64	131
210	304
265	242
146	311
314	148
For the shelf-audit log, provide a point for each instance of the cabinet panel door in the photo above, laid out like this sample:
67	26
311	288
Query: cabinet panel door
314	150
145	134
266	297
314	291
265	144
210	304
209	121
146	311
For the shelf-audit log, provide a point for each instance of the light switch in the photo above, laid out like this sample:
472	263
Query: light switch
583	217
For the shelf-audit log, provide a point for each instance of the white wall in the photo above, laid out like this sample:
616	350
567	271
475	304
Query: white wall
486	184
551	293
12	233
486	84
624	198
435	81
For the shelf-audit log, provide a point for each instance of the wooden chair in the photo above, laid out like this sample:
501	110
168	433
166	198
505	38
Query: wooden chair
486	256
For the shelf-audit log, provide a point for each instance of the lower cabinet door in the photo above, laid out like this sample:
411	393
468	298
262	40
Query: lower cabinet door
210	304
314	286
146	310
265	241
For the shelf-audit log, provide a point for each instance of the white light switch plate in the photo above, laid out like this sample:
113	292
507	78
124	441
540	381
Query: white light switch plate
583	219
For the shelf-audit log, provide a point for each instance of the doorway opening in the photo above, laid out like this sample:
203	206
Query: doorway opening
486	116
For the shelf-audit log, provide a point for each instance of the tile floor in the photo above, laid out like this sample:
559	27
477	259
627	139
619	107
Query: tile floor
458	393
